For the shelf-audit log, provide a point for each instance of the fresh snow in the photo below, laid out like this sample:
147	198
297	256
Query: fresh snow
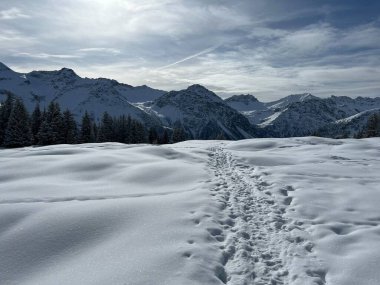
258	211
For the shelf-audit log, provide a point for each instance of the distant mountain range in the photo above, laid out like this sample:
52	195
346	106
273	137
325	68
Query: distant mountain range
201	112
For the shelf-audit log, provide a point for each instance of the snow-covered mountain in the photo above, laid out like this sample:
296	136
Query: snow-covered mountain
76	93
259	112
202	113
347	127
304	114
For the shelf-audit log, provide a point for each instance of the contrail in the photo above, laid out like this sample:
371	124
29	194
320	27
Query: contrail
190	57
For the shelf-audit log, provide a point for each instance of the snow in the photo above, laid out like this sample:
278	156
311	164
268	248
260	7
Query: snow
286	101
259	211
334	198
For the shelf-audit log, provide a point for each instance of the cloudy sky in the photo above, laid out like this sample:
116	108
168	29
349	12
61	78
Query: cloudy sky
268	48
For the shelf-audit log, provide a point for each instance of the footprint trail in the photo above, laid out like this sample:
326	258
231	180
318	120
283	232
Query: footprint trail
260	244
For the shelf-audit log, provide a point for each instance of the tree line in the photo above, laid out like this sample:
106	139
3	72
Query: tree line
51	126
372	128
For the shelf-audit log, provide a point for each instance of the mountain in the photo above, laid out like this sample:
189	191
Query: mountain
202	113
307	117
347	127
77	94
303	114
290	99
259	112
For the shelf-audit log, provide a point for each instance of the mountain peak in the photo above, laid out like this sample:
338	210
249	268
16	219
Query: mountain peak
301	97
67	72
197	88
245	98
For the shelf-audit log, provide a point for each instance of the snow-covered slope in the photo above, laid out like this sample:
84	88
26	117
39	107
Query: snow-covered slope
76	93
202	113
290	99
303	114
347	127
306	118
245	103
259	112
297	211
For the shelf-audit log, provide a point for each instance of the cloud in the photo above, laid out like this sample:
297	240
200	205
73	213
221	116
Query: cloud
99	50
46	55
12	13
248	46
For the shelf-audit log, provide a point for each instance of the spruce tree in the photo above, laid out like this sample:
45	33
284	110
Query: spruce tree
51	130
86	133
373	126
70	130
36	120
121	129
18	132
5	112
128	138
137	132
106	129
178	135
153	136
94	132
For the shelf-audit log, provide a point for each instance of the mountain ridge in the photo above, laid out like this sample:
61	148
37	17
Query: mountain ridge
202	113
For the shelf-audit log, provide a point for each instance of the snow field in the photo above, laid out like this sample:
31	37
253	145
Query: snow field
104	214
334	199
261	211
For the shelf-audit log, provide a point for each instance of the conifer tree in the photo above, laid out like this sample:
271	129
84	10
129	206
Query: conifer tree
70	130
128	138
94	132
373	126
106	129
121	129
86	133
36	120
18	133
164	139
5	112
178	134
153	136
138	132
51	130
